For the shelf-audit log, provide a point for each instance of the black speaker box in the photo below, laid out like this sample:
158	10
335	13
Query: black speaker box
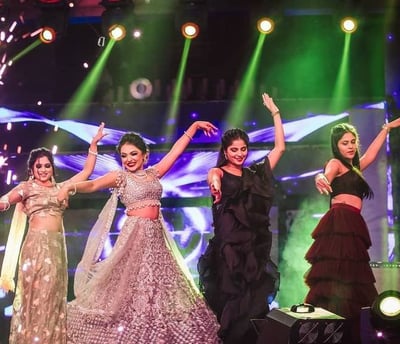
283	326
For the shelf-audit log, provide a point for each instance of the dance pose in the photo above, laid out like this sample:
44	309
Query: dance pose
142	292
39	307
340	278
237	275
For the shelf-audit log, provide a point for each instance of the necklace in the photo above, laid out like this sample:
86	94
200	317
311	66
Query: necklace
140	174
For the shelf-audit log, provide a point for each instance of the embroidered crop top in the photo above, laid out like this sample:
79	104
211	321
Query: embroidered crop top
40	200
350	183
139	191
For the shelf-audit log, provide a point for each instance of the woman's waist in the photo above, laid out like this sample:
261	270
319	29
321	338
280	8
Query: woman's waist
347	199
151	212
49	223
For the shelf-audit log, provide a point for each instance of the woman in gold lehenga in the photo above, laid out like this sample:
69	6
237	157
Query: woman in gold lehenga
39	307
142	293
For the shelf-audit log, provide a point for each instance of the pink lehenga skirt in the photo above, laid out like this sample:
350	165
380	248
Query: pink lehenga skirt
39	308
140	294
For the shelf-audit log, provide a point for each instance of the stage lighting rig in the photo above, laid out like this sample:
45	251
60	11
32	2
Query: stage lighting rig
265	25
191	18
116	17
53	19
385	311
349	25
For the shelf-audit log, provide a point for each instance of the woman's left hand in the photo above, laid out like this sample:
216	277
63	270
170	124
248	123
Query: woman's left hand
208	128
269	103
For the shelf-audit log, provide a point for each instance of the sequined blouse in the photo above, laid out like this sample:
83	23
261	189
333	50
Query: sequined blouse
139	191
40	200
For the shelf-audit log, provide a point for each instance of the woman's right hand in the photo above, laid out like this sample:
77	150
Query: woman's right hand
215	192
100	134
63	196
208	128
322	184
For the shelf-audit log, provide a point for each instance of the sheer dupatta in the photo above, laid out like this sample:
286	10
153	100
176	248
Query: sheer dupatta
95	244
13	247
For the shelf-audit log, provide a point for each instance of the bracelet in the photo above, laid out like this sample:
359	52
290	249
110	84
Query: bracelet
7	203
71	193
92	152
321	176
277	112
187	135
386	127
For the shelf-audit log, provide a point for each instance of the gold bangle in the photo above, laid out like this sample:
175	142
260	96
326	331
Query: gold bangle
92	152
386	127
187	135
277	112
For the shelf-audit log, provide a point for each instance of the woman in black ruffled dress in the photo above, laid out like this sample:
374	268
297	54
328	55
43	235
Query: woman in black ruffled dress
236	274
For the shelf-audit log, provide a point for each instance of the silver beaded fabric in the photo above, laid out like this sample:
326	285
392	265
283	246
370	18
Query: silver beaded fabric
140	293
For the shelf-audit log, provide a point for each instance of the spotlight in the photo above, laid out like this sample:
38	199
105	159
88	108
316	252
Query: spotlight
265	25
115	19
190	17
348	25
47	35
190	30
385	311
117	32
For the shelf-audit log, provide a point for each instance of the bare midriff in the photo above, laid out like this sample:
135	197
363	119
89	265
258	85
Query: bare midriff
352	200
50	223
151	212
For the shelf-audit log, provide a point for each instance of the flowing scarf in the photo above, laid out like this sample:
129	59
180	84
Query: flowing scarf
95	244
13	247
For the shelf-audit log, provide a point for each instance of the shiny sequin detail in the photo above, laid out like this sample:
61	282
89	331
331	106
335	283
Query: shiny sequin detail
139	294
39	308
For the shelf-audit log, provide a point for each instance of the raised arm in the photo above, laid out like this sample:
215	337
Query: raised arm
279	146
372	151
90	162
180	145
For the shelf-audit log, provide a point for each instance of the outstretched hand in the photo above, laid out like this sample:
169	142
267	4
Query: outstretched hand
208	128
100	133
269	103
322	184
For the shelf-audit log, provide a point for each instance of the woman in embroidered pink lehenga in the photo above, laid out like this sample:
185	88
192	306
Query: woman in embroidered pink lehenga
142	292
39	307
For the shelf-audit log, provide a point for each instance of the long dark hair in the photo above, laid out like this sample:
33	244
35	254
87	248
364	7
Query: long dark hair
229	136
337	133
36	154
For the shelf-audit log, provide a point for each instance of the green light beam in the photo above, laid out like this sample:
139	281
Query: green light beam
293	264
81	99
172	113
246	88
341	90
25	51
